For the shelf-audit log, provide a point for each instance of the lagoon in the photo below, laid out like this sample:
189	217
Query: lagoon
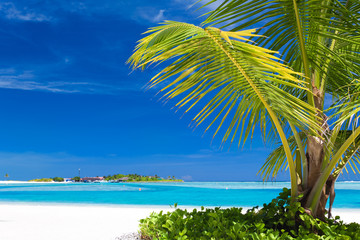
224	194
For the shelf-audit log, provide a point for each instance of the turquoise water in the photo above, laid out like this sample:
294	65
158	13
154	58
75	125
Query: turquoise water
244	194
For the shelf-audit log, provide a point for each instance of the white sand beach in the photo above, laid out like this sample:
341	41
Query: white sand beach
84	222
29	182
69	222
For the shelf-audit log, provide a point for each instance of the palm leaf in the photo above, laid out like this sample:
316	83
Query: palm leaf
351	157
240	81
276	161
313	36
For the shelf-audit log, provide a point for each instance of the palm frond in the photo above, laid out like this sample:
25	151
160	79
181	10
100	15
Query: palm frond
240	81
351	157
345	112
276	161
312	35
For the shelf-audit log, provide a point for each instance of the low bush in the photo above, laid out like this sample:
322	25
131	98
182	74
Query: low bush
42	180
58	179
280	219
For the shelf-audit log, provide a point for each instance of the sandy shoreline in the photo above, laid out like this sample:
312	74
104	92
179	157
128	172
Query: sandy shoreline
22	182
85	222
72	222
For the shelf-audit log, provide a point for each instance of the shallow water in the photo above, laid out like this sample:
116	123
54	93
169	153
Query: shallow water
244	194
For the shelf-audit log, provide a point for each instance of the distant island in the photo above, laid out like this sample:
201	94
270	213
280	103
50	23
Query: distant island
139	178
111	178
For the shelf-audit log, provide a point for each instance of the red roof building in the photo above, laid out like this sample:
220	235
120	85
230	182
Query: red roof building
92	179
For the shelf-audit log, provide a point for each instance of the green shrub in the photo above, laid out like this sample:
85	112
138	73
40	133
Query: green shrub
58	179
42	180
280	219
76	179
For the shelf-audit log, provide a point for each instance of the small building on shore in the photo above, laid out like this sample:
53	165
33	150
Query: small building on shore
92	179
68	180
123	179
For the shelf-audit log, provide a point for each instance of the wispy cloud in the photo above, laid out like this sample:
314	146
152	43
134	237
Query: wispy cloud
159	17
149	14
10	78
10	11
56	10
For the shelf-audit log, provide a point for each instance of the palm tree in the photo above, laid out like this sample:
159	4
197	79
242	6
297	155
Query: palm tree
6	175
241	82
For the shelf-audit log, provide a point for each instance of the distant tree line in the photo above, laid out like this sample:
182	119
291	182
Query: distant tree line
129	178
76	179
55	179
139	178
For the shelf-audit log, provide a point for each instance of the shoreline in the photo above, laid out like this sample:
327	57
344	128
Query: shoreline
39	221
172	181
142	206
21	182
26	182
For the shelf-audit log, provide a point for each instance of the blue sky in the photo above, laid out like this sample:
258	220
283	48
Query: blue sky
68	100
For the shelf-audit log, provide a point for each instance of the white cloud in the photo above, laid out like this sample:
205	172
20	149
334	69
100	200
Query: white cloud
10	78
159	17
149	14
9	11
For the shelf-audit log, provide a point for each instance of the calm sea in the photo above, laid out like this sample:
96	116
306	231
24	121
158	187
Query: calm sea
244	194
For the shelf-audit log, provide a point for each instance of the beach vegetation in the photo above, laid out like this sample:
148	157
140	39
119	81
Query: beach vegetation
113	177
139	178
42	180
58	179
288	68
280	219
76	179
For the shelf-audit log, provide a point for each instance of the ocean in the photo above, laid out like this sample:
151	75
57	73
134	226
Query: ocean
222	194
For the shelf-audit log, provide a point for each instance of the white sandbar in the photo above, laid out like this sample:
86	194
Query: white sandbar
85	222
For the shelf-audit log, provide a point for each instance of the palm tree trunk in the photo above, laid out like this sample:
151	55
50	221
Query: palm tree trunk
315	157
328	191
